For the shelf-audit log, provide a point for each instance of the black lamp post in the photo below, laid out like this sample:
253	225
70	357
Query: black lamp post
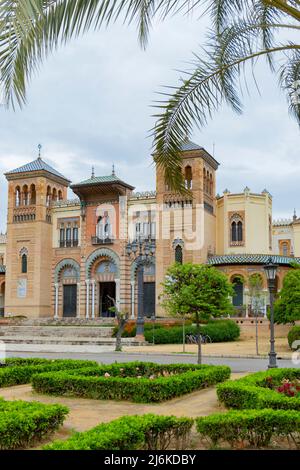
270	270
141	250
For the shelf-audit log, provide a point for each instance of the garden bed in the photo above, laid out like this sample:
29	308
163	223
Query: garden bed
23	423
260	390
17	371
139	382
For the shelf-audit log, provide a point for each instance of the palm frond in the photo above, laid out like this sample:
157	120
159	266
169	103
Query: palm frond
289	79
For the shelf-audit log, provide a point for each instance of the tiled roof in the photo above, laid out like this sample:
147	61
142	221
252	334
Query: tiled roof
36	165
188	145
251	259
101	179
2	269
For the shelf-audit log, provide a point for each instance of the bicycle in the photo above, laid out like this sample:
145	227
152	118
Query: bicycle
193	339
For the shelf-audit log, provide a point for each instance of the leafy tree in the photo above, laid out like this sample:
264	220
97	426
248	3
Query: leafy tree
287	306
243	31
122	319
198	290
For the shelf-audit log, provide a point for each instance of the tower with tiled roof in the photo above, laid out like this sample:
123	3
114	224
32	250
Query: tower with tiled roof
31	190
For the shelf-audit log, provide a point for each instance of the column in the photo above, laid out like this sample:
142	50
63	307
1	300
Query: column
117	281
56	300
87	314
93	282
78	299
132	298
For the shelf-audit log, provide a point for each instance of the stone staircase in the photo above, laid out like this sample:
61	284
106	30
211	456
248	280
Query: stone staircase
61	336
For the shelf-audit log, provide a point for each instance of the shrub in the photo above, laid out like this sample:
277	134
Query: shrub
218	330
256	391
253	427
22	423
138	382
149	432
19	371
294	335
130	328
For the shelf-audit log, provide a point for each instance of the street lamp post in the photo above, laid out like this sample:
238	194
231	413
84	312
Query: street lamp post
142	251
270	270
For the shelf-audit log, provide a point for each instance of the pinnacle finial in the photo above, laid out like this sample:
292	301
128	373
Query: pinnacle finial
39	149
295	215
113	170
93	172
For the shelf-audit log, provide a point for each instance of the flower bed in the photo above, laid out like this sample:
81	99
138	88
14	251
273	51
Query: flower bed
250	427
260	390
140	382
18	371
149	432
23	423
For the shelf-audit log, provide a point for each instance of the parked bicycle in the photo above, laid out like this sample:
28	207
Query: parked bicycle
193	339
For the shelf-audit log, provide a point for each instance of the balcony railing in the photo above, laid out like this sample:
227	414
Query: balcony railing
68	243
102	241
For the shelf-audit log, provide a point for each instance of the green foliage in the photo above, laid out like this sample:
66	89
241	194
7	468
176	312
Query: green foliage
253	427
139	382
19	371
150	432
287	306
255	391
130	330
218	330
23	423
196	289
294	335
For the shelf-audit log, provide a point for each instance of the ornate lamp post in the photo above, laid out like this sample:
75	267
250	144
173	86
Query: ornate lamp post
270	270
142	251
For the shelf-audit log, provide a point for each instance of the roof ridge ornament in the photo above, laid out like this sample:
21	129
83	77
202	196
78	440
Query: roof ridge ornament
93	173
113	170
39	149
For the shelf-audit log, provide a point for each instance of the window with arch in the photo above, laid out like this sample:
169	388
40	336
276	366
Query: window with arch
60	195
188	177
25	195
236	230
54	195
285	249
238	287
103	229
24	263
48	196
18	196
178	254
32	194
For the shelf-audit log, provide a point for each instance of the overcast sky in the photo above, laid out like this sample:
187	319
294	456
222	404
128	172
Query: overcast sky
90	104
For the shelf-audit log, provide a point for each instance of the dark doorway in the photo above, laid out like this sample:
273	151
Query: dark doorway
107	289
149	299
70	300
238	297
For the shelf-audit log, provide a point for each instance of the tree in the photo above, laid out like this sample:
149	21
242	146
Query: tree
243	31
122	319
287	306
198	290
255	285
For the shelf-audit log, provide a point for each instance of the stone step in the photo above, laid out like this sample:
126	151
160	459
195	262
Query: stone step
70	341
50	331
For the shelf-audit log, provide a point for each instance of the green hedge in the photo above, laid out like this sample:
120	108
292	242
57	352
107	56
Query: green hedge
149	432
23	423
131	381
294	335
253	391
253	427
19	371
218	330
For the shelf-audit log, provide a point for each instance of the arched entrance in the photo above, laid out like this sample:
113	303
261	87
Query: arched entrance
2	299
238	286
67	276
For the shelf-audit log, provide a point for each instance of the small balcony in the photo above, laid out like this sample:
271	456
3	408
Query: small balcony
68	243
102	241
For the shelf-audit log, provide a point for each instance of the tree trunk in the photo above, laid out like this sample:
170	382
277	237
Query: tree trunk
256	333
199	361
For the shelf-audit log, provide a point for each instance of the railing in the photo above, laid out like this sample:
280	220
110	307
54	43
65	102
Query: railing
68	243
24	214
102	241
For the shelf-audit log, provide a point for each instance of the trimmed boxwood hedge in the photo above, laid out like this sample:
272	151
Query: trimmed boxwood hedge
253	427
19	371
218	330
294	335
23	423
149	432
253	391
131	381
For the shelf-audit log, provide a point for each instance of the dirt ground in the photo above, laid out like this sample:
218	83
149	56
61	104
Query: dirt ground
85	413
244	347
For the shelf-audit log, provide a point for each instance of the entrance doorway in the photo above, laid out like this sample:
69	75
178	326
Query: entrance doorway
149	299
70	300
2	299
107	289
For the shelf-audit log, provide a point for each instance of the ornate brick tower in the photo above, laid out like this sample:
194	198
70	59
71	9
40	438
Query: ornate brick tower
186	229
31	189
